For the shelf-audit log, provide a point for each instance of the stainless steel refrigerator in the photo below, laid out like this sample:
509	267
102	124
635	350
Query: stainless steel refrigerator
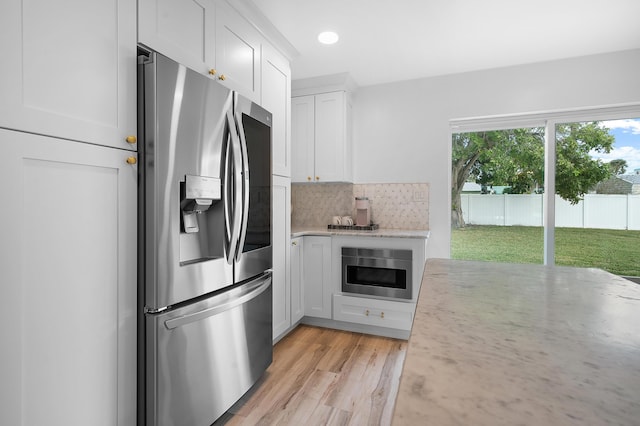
205	319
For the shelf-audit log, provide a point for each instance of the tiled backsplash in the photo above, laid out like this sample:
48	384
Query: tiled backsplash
393	205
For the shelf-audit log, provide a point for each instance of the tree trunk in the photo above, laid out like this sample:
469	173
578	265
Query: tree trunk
457	220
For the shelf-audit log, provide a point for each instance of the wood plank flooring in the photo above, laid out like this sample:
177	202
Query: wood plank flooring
322	376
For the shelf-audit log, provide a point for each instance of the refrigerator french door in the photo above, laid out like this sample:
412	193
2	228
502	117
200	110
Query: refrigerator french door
205	242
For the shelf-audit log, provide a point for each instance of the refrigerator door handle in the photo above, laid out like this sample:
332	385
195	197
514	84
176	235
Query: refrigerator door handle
245	186
226	190
251	292
237	200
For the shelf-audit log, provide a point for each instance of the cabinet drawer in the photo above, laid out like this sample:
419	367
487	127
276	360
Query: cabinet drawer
381	313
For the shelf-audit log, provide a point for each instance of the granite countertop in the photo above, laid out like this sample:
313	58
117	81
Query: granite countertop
396	233
505	344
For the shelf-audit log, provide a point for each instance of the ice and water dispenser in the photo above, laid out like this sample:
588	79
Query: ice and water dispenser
202	218
199	194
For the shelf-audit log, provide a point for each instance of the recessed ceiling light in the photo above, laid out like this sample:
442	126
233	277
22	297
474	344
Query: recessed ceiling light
328	37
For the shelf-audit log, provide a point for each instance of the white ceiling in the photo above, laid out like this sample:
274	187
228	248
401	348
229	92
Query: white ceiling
384	41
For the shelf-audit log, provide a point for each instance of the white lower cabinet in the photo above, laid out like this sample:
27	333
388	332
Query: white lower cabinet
297	289
381	313
317	277
281	258
68	226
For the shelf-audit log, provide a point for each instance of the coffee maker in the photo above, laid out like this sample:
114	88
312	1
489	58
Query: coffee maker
363	211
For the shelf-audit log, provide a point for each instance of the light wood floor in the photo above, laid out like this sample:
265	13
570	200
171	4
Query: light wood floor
321	376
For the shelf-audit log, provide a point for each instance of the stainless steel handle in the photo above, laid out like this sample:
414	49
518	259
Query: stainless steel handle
245	186
228	203
236	153
251	292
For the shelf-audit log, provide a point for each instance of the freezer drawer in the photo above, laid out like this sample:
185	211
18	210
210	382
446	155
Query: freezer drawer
203	357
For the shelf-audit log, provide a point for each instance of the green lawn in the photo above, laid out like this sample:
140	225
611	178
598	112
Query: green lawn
616	251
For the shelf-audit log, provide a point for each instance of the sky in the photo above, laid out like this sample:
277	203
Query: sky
627	144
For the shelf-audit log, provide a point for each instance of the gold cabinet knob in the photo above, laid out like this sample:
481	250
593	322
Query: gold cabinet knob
212	71
222	77
317	177
132	160
131	139
309	178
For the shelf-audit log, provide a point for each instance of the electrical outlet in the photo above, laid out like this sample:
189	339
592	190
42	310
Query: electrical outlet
419	195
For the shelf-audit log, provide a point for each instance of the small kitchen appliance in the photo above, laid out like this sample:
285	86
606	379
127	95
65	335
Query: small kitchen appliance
363	211
377	272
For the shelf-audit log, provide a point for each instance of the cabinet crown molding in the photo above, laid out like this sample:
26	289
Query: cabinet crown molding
323	84
256	18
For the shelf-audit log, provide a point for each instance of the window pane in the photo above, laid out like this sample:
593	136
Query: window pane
598	195
497	185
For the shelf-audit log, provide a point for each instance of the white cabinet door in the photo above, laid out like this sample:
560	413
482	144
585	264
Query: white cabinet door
276	98
321	138
238	52
69	69
302	138
68	226
317	277
329	136
281	246
297	288
179	29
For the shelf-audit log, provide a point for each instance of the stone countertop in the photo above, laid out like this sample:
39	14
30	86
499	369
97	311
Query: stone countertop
505	344
395	233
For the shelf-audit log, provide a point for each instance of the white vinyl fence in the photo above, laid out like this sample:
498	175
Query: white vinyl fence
595	211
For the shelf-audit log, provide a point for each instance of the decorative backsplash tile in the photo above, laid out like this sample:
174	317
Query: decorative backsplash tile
393	205
314	204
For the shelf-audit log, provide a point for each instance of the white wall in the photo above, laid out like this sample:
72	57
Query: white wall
401	130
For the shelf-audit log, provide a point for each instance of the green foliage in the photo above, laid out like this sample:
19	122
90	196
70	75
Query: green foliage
515	158
618	167
576	171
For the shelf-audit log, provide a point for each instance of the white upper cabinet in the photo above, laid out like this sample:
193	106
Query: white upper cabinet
69	69
276	98
302	138
208	36
183	30
238	52
321	138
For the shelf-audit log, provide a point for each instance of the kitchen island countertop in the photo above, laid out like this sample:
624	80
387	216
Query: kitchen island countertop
505	344
393	233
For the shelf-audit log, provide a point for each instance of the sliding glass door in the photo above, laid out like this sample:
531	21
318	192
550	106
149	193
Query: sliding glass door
559	188
597	209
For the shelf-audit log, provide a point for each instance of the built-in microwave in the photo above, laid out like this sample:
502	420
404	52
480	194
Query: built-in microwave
377	272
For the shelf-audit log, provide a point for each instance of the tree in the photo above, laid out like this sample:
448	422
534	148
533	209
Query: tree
576	171
466	151
515	158
618	167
